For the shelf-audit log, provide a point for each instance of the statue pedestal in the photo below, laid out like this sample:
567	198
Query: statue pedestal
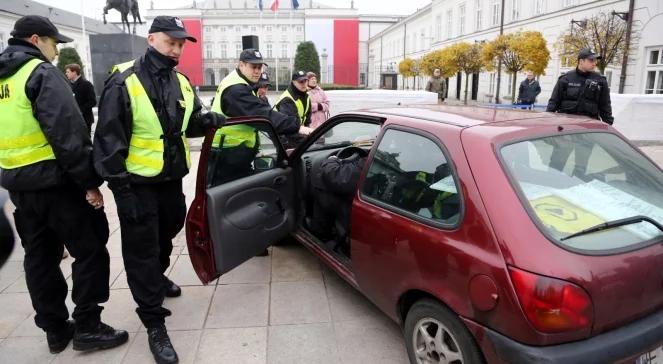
107	50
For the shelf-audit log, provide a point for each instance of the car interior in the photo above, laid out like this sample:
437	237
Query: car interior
258	200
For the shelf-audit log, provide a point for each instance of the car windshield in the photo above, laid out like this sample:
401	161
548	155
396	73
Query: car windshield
573	182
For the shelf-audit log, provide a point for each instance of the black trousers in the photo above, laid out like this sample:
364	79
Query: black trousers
147	244
46	220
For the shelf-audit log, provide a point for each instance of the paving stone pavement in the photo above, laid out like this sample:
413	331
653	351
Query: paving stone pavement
283	308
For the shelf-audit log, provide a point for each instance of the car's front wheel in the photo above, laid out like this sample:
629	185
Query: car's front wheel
434	334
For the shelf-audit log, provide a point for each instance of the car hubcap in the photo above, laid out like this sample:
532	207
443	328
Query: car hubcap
434	343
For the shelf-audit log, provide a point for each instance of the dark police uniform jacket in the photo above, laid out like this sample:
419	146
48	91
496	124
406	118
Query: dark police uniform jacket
240	100
582	93
55	108
114	124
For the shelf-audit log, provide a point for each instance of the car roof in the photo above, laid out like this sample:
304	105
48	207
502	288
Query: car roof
467	116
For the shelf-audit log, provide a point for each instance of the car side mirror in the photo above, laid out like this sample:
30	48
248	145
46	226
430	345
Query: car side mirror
264	163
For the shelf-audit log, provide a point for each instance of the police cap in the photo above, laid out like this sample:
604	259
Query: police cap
172	26
587	53
35	24
251	55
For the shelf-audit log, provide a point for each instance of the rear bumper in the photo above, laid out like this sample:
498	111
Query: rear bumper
624	343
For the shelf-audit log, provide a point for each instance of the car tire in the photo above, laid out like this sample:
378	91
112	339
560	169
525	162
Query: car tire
455	341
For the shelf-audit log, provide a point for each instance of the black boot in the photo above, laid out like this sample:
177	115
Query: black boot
100	337
58	340
172	290
160	345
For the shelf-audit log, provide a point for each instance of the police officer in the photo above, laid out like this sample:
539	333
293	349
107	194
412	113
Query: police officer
46	164
295	101
261	88
147	110
235	96
583	91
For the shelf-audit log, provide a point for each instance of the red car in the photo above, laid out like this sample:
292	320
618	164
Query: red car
489	235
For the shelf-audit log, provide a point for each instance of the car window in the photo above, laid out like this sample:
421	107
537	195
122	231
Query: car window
410	172
573	182
346	134
242	150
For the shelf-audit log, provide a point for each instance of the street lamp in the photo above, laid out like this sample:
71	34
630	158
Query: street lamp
628	18
579	23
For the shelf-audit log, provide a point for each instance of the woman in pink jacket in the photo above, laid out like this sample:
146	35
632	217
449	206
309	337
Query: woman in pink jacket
319	101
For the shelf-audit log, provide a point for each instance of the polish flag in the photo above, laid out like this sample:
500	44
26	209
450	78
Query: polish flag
275	5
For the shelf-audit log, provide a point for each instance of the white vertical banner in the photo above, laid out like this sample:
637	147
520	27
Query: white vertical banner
87	65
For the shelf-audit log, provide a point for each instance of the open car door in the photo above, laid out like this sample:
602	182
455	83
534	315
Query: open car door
245	197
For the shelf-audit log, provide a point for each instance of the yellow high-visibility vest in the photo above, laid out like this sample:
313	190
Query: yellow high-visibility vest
302	109
232	135
22	141
146	147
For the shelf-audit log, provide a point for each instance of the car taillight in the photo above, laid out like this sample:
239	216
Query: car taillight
552	305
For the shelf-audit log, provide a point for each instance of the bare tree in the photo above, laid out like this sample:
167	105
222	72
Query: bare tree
602	33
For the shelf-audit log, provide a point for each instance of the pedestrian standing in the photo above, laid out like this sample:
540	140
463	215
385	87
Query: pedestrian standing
529	89
295	101
319	101
83	92
583	91
46	165
146	112
438	85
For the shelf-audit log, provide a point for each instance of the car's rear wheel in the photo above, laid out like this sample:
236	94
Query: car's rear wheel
434	334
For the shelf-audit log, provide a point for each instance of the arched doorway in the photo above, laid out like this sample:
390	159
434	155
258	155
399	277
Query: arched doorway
209	77
223	72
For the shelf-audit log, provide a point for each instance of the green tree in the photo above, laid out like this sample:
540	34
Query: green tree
407	68
463	57
306	58
67	56
602	33
518	51
437	59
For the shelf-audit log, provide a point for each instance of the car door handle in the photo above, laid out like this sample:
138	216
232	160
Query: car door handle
280	180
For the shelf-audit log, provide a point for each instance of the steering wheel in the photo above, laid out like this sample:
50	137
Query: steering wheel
351	152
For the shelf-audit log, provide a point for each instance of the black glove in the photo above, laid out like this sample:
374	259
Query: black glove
319	107
213	120
128	206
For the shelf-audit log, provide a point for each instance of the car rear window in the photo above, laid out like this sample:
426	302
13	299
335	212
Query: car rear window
573	182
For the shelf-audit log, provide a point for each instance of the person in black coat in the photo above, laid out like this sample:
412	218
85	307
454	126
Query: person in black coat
583	91
83	92
529	90
261	87
6	232
56	196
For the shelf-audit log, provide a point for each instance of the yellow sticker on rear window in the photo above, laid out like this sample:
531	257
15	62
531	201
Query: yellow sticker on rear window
559	214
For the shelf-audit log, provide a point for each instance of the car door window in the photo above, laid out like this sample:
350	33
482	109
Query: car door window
239	151
346	134
411	173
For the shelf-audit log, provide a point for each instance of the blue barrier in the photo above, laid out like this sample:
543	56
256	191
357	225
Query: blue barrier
538	107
